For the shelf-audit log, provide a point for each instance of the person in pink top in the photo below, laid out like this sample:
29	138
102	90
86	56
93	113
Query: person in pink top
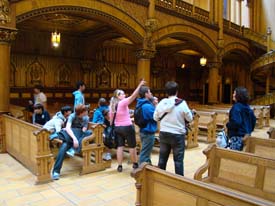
124	129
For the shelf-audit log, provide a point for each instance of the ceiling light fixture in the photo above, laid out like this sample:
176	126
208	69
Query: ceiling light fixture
203	61
55	39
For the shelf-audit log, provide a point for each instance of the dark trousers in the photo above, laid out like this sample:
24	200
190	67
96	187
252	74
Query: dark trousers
67	144
175	142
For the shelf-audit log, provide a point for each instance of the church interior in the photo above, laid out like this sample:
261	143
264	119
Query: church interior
209	47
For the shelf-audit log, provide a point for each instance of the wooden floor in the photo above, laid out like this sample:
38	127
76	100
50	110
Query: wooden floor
102	188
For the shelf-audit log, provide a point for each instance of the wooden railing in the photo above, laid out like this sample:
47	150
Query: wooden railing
267	99
254	36
266	59
21	95
184	8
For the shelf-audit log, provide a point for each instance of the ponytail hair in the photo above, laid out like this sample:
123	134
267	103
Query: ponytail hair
114	100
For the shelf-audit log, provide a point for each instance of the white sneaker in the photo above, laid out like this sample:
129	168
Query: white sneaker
70	152
107	156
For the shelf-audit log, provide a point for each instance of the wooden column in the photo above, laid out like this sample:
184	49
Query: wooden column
240	12
6	36
211	11
151	10
220	19
269	32
267	84
213	82
143	65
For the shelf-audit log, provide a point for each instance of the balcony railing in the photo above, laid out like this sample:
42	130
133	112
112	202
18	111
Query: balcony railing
181	7
265	60
185	8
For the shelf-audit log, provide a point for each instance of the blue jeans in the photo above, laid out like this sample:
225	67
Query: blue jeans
176	142
67	144
147	141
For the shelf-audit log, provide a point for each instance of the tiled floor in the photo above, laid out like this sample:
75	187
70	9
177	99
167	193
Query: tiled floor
102	188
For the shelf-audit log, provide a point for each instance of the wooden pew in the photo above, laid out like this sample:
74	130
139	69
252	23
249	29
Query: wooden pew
156	187
271	133
207	122
17	111
30	145
259	146
266	115
192	135
240	171
93	146
259	113
222	116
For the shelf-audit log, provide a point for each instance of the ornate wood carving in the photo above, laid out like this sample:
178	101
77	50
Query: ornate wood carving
64	75
123	78
35	74
7	35
103	77
4	11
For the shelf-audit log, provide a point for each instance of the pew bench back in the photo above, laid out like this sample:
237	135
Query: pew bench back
260	146
241	171
156	187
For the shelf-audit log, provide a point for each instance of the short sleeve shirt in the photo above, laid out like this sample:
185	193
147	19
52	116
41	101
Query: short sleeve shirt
78	122
40	98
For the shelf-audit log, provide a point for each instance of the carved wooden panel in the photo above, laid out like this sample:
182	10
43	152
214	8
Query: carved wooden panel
123	78
103	78
63	75
35	74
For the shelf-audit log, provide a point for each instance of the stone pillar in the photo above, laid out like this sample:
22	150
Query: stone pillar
143	64
213	82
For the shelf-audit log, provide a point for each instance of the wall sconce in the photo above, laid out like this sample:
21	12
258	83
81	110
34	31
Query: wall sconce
203	61
183	66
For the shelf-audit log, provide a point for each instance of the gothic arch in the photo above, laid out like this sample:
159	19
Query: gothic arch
63	75
193	34
237	46
123	78
103	77
102	11
35	74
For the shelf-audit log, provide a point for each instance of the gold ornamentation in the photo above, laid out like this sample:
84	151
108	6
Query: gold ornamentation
7	35
4	12
145	54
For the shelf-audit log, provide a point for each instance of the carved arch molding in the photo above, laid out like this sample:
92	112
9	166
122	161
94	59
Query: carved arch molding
237	46
122	21
203	40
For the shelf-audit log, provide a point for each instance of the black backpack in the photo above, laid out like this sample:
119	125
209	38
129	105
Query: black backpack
138	116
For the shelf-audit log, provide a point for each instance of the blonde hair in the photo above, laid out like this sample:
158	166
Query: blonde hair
114	100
